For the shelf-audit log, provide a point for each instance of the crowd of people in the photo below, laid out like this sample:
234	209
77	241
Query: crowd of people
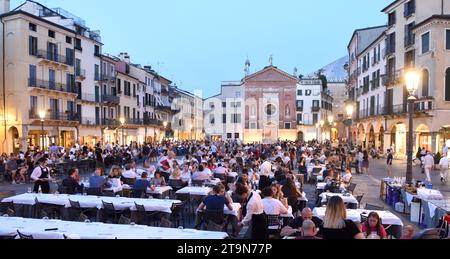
268	179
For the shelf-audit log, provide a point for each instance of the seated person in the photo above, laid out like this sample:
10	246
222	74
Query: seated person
295	225
159	180
309	230
98	180
272	206
186	174
220	169
408	232
141	185
215	202
129	173
372	228
72	182
176	174
347	178
201	174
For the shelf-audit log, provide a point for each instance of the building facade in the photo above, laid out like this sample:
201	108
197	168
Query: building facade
415	34
314	105
53	66
224	113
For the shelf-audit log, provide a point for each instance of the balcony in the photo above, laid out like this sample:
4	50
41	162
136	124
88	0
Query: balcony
90	121
53	57
80	74
393	78
164	91
300	109
48	85
110	122
55	116
315	109
105	78
88	97
152	122
133	121
112	99
424	104
395	109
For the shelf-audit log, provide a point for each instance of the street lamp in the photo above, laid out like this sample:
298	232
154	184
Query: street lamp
412	79
350	110
122	121
42	116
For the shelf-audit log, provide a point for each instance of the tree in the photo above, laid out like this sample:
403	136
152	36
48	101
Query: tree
322	78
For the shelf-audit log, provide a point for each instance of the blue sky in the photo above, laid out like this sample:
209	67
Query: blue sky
199	43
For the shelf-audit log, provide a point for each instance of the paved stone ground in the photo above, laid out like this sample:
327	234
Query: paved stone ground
369	185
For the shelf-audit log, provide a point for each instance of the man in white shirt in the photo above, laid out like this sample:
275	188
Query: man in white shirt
221	169
429	163
444	168
272	206
129	172
445	150
266	167
254	214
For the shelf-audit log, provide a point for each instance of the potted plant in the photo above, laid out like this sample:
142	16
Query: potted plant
437	160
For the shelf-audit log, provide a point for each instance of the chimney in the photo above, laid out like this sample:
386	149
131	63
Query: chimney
4	6
124	57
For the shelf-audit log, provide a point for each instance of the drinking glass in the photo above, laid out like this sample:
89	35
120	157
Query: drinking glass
29	189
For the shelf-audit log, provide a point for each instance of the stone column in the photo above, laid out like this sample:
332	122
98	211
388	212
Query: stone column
434	148
387	141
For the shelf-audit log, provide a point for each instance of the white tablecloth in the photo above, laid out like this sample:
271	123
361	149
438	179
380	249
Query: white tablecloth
159	190
233	174
355	215
94	201
347	199
192	190
114	189
213	182
321	186
35	227
427	194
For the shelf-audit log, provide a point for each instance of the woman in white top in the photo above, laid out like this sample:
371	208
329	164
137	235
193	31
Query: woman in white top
272	206
186	173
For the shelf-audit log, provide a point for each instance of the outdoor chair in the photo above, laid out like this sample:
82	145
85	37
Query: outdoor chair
198	183
75	211
109	211
46	210
177	214
351	188
359	199
144	217
23	236
124	220
94	191
129	181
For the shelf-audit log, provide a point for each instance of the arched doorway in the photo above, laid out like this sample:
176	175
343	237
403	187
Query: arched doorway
361	136
381	137
424	137
393	138
371	137
300	136
13	134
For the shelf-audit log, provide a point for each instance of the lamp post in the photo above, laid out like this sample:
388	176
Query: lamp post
412	79
122	121
42	116
330	121
350	109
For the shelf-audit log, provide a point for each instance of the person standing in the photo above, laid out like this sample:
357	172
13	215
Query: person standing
429	163
41	176
443	164
389	160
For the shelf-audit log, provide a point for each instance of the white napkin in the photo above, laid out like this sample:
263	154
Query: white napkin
432	209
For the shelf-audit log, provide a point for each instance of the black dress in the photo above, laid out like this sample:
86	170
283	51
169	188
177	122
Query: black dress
45	186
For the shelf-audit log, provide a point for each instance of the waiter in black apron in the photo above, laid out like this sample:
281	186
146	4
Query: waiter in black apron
41	176
253	212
